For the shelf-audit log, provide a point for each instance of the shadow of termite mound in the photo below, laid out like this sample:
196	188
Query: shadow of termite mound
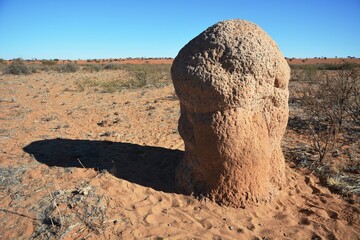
144	165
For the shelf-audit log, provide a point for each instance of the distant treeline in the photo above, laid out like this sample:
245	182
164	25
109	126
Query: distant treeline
325	66
97	60
20	66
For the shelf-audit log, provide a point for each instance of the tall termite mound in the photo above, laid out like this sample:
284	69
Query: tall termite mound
232	83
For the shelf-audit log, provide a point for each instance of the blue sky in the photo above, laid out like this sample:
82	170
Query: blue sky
84	29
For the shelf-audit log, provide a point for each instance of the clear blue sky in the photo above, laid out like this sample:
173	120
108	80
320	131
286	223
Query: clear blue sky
73	29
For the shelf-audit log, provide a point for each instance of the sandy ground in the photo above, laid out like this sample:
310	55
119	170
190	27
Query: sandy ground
91	165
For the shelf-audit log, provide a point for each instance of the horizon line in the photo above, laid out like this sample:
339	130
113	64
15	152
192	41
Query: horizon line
149	58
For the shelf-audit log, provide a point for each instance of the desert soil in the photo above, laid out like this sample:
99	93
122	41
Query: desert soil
83	164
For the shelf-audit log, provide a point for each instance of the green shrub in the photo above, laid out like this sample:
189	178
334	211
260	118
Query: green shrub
70	67
17	67
67	68
46	68
113	66
34	68
92	67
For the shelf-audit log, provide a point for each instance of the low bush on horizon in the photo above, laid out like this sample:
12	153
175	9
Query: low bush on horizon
67	68
113	66
325	66
18	67
49	62
92	67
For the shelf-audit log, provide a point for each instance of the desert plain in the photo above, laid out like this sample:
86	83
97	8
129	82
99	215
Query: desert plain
92	155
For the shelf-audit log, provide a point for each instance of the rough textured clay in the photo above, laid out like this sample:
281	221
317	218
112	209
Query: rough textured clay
232	82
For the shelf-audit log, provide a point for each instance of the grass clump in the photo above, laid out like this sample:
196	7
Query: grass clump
343	184
87	82
113	86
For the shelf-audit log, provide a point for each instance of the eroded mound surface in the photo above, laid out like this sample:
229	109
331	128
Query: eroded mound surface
232	82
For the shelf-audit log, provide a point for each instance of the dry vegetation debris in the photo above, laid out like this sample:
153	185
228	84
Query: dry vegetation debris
324	110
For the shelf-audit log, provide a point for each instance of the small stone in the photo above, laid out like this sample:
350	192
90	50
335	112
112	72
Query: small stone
85	191
102	123
336	153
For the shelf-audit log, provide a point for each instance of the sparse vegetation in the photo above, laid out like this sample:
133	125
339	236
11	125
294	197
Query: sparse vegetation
68	68
135	76
93	67
148	74
326	111
48	62
79	208
330	105
99	180
324	66
17	67
112	66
